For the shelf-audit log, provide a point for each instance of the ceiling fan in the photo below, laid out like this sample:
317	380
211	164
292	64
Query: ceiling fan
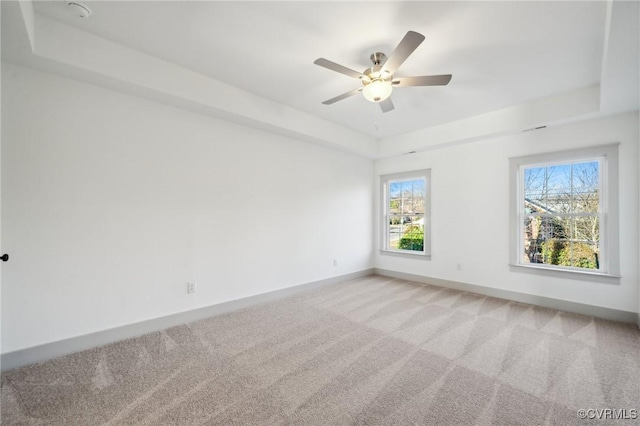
378	81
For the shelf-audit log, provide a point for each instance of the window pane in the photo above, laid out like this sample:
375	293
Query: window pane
586	201
407	206
583	255
417	220
547	227
547	189
406	214
412	238
558	194
394	189
562	188
543	227
586	229
544	238
562	241
418	196
586	177
534	187
532	227
558	201
555	252
395	231
532	251
395	205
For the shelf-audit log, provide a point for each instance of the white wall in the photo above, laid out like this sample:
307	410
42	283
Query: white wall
470	212
112	203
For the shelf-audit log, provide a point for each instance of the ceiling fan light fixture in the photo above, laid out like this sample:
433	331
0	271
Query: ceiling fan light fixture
377	90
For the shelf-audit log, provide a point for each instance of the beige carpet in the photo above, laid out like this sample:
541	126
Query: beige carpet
369	351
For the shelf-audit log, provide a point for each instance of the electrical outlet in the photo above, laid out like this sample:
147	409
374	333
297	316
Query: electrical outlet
459	266
191	287
335	262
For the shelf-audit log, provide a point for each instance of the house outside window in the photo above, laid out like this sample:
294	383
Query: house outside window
406	216
564	211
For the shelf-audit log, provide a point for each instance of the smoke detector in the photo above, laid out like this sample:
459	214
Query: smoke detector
79	9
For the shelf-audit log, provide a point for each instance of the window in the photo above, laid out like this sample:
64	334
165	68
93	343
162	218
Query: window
565	218
405	216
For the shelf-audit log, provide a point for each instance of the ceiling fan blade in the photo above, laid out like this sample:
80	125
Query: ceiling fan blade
386	105
343	96
407	45
425	80
337	67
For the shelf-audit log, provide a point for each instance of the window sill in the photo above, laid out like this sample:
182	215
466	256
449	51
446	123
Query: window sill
566	273
406	255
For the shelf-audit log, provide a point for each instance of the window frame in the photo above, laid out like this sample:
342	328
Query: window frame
607	155
385	181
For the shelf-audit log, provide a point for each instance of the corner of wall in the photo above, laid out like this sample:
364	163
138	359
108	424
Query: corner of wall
26	9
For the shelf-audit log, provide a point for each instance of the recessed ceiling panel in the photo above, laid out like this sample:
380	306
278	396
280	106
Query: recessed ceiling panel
499	53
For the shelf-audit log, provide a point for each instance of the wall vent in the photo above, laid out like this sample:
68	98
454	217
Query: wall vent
534	128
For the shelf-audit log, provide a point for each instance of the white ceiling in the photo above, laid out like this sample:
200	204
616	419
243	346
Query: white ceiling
516	65
501	54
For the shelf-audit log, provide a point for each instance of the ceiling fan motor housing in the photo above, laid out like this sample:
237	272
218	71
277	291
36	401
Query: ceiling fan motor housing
378	58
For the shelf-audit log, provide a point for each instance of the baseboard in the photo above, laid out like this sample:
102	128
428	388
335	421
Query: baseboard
546	302
51	350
